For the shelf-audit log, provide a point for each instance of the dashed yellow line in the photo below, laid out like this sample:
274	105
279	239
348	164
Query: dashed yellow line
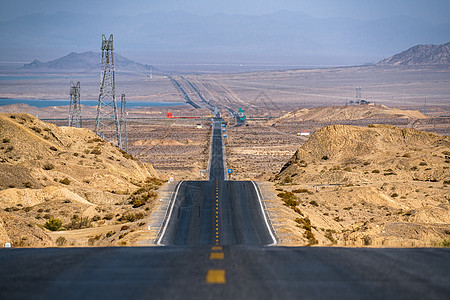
215	276
216	255
217	213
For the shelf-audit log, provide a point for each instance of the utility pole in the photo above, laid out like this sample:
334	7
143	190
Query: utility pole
75	105
107	122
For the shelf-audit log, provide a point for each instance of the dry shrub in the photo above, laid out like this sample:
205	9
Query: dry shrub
131	216
289	199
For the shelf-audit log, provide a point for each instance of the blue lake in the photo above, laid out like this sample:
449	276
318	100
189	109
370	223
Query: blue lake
16	77
47	103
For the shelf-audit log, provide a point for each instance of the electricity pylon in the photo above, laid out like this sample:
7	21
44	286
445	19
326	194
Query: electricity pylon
123	123
75	105
107	124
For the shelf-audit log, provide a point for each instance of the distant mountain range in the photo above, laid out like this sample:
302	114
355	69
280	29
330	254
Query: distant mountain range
421	55
179	37
85	61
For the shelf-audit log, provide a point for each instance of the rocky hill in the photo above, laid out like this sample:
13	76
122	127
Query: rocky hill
70	175
379	185
84	62
421	55
343	113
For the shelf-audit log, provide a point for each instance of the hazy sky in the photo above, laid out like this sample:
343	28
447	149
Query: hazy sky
436	11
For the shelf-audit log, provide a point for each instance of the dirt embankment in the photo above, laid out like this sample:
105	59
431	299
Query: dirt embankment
379	185
70	175
352	112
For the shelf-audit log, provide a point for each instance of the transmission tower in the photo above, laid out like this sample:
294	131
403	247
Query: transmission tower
123	123
358	95
107	123
75	105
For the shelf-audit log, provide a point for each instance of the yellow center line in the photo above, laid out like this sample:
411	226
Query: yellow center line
215	276
216	255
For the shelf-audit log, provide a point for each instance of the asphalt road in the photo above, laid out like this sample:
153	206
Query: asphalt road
217	212
248	273
216	248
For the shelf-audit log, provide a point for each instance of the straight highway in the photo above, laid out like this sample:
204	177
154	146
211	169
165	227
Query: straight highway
216	245
217	212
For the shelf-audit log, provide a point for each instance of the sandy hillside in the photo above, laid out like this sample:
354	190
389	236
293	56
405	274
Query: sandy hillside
378	185
352	112
69	174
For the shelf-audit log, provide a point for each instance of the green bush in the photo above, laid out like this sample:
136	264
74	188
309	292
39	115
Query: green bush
53	224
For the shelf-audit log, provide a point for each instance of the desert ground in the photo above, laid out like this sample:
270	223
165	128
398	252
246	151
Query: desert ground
367	209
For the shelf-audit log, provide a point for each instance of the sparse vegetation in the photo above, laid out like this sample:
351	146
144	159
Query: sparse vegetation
48	166
96	151
61	241
108	216
126	155
53	224
78	222
299	191
65	181
28	184
314	203
53	148
329	236
289	199
444	243
131	216
306	224
36	129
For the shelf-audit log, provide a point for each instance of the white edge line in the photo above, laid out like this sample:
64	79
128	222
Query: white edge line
169	215
264	214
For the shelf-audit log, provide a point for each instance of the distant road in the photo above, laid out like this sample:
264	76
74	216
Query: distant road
216	238
217	211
